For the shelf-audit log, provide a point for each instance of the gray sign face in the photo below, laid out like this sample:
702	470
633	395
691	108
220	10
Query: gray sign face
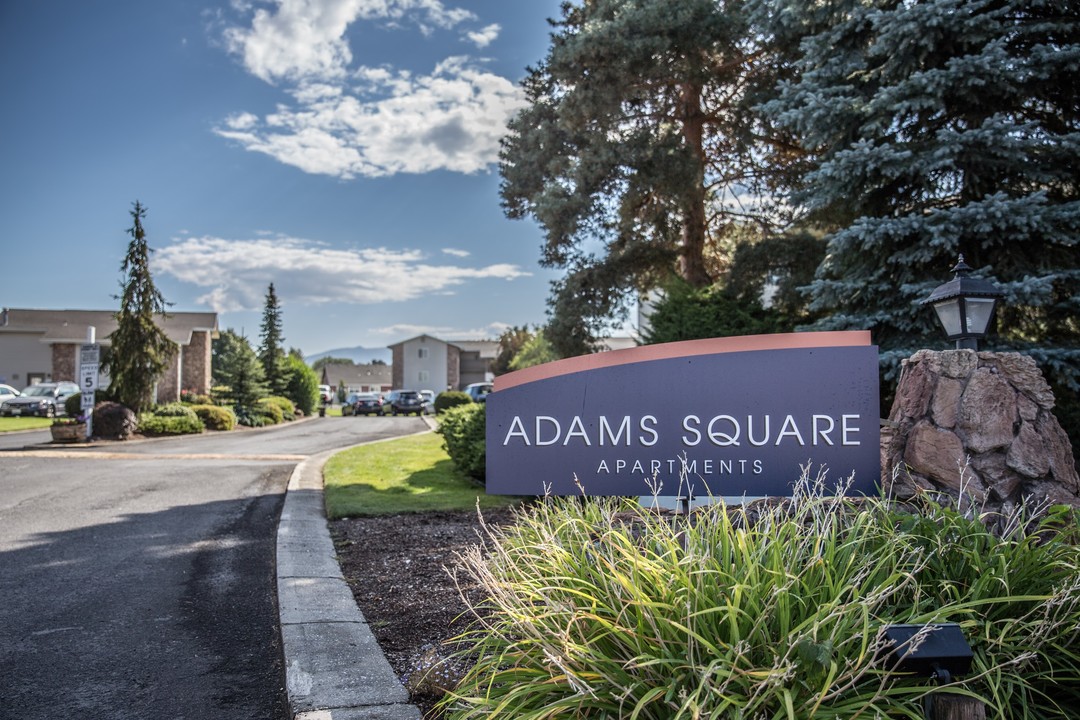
732	423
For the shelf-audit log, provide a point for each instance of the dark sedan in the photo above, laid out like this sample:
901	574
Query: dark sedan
407	401
44	399
368	404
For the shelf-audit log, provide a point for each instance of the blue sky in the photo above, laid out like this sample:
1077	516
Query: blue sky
345	150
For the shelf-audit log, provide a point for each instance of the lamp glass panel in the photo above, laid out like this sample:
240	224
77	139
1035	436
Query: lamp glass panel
978	312
948	312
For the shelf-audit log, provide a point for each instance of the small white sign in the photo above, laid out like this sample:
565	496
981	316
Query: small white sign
88	400
89	354
88	377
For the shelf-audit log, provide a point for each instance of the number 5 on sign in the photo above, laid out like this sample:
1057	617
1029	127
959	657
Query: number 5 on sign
88	377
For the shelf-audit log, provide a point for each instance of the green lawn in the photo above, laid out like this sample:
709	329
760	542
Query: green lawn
409	474
10	424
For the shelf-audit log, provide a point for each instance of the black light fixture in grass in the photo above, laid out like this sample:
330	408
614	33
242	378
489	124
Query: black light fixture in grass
965	306
938	651
935	650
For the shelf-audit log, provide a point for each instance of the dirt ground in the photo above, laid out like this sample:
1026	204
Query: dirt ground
396	567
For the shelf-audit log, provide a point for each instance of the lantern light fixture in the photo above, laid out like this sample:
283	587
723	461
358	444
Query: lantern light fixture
965	306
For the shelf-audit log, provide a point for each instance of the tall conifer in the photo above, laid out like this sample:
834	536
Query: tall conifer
271	353
140	349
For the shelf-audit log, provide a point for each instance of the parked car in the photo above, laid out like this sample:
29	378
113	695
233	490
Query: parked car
44	399
429	401
389	398
407	401
479	391
325	394
368	404
7	392
349	403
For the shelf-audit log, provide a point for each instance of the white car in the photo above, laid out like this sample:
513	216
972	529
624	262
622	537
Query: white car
7	392
325	394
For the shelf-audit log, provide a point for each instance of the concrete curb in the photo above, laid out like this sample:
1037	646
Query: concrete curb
334	669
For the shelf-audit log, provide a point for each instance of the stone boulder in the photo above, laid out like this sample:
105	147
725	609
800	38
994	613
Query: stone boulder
977	424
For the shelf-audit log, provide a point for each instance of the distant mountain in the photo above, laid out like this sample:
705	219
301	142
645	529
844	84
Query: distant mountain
359	355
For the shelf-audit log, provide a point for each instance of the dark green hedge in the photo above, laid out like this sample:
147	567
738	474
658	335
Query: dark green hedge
463	429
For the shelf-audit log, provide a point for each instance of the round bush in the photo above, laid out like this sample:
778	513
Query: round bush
173	409
259	415
114	421
190	397
463	429
449	399
174	421
215	417
288	409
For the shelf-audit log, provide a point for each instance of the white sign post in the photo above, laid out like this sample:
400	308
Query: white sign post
89	365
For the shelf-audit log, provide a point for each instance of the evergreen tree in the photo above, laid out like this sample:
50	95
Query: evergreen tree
140	349
511	342
302	384
937	128
271	354
635	141
536	351
235	365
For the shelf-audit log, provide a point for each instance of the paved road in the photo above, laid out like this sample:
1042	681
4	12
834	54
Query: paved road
137	579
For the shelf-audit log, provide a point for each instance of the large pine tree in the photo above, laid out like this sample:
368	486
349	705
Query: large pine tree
140	349
935	128
633	151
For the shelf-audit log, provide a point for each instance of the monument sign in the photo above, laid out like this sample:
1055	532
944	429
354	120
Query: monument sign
735	416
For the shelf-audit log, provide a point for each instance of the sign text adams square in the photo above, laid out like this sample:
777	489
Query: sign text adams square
739	415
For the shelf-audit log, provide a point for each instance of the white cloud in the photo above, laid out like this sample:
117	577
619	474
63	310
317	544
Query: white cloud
452	120
485	36
443	332
237	272
456	253
298	39
347	121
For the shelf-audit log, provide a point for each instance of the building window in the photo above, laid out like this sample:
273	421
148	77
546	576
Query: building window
424	376
423	353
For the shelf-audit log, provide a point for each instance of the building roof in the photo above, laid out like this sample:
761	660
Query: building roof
376	374
70	326
485	348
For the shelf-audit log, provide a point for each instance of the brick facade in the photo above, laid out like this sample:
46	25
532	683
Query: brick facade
65	358
197	367
397	365
453	368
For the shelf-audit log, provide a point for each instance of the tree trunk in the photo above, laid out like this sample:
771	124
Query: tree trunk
957	707
692	252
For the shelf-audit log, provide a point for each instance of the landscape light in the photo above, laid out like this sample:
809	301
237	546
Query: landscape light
965	306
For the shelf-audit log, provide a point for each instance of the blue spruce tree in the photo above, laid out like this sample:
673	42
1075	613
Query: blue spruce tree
934	128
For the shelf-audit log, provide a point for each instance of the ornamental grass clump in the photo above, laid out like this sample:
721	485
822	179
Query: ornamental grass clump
597	608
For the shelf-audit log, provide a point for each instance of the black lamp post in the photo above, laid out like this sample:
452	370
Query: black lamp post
965	306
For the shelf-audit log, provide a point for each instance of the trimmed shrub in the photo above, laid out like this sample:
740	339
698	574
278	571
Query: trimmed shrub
114	421
177	419
462	429
215	417
259	415
173	409
190	397
450	398
288	410
771	610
